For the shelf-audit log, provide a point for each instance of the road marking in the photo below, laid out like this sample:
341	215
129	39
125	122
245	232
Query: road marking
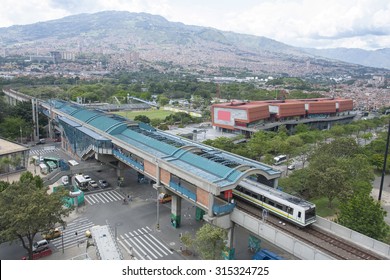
134	244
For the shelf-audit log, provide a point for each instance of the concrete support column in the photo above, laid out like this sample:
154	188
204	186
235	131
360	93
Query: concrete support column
276	183
51	133
176	211
230	237
34	104
230	243
211	204
120	172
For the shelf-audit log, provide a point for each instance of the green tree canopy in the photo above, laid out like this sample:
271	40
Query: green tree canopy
26	209
210	242
142	118
362	214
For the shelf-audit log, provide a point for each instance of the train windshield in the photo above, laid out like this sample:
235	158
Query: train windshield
310	215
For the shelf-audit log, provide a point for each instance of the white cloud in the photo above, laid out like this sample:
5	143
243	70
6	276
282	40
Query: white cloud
25	12
317	23
297	22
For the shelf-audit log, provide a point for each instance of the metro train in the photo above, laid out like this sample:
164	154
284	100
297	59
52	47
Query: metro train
290	208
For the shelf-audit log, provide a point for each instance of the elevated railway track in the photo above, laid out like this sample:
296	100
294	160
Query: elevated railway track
327	242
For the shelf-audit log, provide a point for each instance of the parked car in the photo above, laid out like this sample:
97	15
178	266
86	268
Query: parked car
40	245
93	184
291	167
103	184
164	198
51	234
41	141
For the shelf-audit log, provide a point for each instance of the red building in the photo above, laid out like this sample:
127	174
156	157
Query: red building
237	115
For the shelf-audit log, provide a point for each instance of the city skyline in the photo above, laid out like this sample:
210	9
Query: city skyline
319	24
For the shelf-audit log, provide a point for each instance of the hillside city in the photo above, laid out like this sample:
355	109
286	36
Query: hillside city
115	127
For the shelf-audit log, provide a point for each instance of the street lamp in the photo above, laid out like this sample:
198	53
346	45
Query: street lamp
157	188
62	237
384	163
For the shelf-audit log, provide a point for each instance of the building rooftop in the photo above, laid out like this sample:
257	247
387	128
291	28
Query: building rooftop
7	147
215	166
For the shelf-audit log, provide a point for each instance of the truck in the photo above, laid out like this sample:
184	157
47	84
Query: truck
44	169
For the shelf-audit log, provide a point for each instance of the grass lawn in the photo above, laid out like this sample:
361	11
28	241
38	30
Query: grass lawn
322	208
151	114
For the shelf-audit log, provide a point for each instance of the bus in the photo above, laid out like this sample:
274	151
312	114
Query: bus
280	159
52	159
52	166
81	182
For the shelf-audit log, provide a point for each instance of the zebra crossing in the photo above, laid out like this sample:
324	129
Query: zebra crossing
41	152
103	197
143	245
69	237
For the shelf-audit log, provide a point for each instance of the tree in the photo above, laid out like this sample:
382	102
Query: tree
223	143
367	136
337	131
10	127
301	128
298	183
362	214
332	183
142	118
210	242
378	160
259	144
27	177
162	100
4	165
26	209
340	147
187	240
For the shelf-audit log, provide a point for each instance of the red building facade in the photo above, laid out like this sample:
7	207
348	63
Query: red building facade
235	115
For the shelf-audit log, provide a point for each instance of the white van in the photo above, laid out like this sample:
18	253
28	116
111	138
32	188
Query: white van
44	168
40	245
280	159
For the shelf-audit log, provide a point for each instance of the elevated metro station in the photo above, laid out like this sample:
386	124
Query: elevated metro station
203	175
199	174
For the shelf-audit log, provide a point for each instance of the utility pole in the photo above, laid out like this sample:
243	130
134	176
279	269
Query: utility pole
384	163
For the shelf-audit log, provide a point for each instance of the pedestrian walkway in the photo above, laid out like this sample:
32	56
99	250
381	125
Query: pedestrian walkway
73	234
142	245
103	197
41	152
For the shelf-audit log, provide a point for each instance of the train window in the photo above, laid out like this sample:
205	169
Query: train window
271	203
279	206
299	214
289	210
310	214
254	195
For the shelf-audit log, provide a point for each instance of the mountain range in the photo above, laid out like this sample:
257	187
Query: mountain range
157	40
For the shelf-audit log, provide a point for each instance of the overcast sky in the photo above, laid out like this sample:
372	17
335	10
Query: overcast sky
303	23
